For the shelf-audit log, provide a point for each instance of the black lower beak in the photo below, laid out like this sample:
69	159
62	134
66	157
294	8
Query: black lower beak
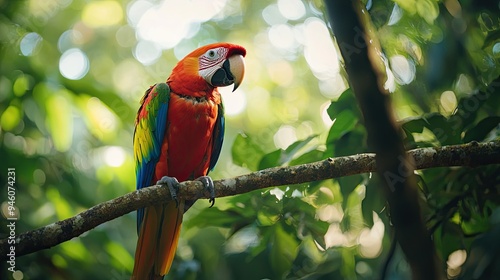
223	77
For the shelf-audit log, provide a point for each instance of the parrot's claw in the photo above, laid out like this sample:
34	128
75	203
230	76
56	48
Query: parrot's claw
208	183
173	187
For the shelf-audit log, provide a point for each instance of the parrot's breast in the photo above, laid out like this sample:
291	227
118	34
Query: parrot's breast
186	153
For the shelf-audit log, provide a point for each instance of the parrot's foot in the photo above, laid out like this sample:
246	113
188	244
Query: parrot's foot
208	183
173	187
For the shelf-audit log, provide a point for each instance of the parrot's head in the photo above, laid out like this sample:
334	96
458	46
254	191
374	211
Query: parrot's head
208	67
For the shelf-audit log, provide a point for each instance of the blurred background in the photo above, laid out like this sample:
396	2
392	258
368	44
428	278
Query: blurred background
73	72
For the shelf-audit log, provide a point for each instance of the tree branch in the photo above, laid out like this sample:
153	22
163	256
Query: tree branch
472	154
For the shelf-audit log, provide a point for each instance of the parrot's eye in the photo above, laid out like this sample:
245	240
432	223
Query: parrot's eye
213	54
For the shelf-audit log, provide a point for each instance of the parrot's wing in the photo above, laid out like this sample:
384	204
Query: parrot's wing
217	137
150	126
158	236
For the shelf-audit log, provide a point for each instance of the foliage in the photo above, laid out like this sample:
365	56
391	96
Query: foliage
68	132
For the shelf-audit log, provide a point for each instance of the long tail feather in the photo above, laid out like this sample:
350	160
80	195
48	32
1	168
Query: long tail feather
157	242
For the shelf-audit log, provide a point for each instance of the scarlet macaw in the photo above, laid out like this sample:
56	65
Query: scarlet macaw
179	131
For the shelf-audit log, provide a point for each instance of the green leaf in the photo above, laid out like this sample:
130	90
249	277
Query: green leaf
482	129
346	102
284	249
374	200
491	38
351	143
271	160
266	219
413	125
439	125
344	122
282	157
478	223
215	217
467	109
311	156
348	184
346	115
246	152
410	126
297	205
293	149
316	228
348	269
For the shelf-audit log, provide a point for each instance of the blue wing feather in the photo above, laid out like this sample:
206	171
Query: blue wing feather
218	137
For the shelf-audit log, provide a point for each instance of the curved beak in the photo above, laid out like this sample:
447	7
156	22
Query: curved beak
231	72
237	69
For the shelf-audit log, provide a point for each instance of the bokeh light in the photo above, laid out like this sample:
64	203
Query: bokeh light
278	193
125	77
330	213
102	13
335	237
104	121
125	36
291	9
448	101
39	177
74	64
496	49
147	52
258	112
281	36
319	50
65	40
10	118
29	43
403	69
455	260
234	102
281	72
21	85
285	136
153	24
114	156
272	15
370	240
396	15
135	10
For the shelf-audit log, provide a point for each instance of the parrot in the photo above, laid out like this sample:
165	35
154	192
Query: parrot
178	135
